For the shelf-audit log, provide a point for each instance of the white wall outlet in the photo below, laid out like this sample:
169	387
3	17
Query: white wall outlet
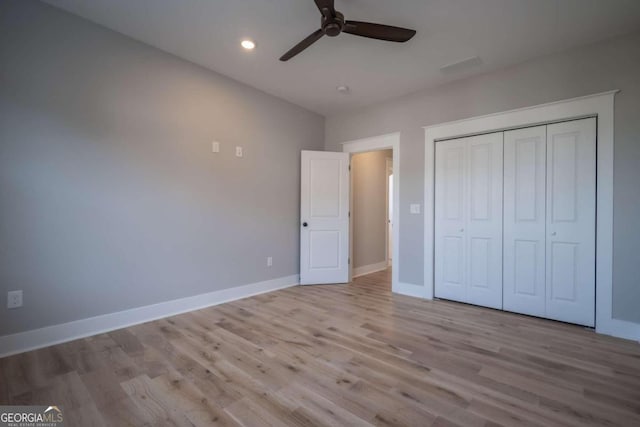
414	208
269	261
215	147
14	299
238	151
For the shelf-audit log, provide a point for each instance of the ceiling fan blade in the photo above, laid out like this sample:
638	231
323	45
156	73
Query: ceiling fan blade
311	39
326	7
378	31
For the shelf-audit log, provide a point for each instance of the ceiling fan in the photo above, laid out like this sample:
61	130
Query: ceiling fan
333	23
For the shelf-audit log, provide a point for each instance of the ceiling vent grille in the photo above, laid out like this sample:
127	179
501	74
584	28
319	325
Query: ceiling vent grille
459	66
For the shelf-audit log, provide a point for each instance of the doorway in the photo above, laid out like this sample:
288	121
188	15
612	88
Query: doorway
385	142
370	220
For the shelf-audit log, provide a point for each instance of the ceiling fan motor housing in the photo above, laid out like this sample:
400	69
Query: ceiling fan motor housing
332	25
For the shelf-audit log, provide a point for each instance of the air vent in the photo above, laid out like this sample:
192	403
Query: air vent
459	66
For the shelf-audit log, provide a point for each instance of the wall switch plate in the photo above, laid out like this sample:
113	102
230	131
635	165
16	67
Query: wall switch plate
269	261
14	299
414	208
238	151
215	147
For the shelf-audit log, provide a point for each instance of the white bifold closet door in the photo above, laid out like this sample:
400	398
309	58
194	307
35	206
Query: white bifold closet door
525	152
571	221
549	221
468	227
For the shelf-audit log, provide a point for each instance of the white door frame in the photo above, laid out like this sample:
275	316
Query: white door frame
385	142
388	172
600	105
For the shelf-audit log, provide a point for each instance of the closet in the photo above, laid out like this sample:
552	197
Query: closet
515	220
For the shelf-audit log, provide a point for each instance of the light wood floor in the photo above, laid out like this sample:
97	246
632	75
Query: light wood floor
336	355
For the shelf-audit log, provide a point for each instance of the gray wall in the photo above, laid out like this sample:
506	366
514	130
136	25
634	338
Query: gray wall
110	196
608	65
369	212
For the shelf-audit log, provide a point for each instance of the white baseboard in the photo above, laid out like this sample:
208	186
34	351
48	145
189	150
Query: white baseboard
620	328
409	289
368	269
56	334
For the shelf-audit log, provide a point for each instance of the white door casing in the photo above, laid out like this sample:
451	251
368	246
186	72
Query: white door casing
389	208
571	221
468	212
324	218
524	221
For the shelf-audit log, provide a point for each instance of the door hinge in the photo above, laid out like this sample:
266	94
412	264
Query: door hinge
349	167
348	260
349	214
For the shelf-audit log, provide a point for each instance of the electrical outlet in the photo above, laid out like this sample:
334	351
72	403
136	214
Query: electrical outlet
238	151
414	208
215	147
14	299
269	261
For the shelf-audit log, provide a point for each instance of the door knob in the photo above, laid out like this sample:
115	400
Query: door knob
461	230
304	224
553	233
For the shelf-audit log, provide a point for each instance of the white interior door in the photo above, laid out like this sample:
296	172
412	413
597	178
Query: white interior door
571	221
524	220
483	231
324	218
450	208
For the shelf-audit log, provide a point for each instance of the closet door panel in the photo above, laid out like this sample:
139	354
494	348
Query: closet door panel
450	248
524	221
483	231
450	194
571	221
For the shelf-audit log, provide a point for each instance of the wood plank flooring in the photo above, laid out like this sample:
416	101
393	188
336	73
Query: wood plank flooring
351	355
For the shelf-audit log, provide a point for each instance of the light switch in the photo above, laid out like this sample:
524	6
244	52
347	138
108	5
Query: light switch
14	299
238	151
215	147
414	208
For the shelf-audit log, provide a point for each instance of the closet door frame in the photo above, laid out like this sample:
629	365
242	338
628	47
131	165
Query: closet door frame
599	105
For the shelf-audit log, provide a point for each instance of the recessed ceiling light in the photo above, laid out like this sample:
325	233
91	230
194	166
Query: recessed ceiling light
248	44
343	89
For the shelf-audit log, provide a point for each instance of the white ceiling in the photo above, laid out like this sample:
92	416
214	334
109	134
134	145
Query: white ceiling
501	32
